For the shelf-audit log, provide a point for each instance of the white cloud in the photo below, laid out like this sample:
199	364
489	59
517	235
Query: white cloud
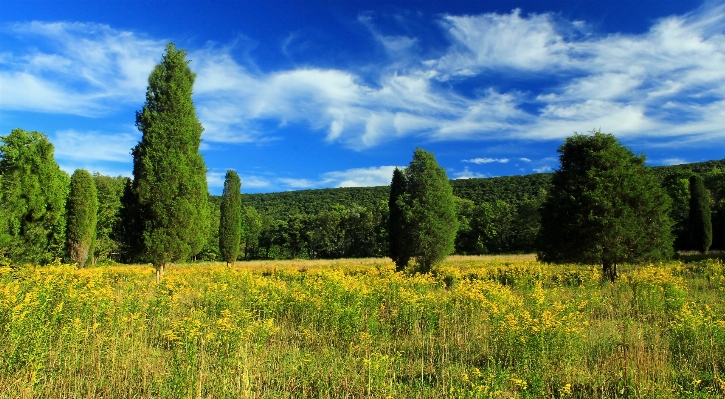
665	83
94	145
486	160
525	159
468	174
673	161
544	169
89	71
360	177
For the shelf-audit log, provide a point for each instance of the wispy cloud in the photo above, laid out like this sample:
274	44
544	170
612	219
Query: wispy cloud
666	84
356	177
87	70
486	160
468	174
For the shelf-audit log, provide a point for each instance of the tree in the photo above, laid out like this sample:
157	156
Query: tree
396	222
715	183
700	217
604	207
128	232
169	172
110	190
81	217
33	192
252	231
230	222
430	211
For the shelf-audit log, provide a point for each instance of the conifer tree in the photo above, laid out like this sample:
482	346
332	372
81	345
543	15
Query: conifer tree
396	222
430	211
169	172
604	207
33	193
81	217
230	223
700	216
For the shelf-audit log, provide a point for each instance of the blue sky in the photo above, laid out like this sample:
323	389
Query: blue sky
312	94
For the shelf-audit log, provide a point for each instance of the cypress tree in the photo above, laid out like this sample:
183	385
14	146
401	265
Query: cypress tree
396	222
430	211
169	172
33	193
604	207
81	211
700	217
230	222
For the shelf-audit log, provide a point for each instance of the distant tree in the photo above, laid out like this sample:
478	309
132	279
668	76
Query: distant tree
396	222
230	223
604	207
128	232
715	183
430	211
81	217
169	172
33	193
700	217
252	230
677	186
110	190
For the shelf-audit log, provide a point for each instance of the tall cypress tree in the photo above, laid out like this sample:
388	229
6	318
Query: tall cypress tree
82	207
230	222
169	172
430	211
33	192
396	222
700	217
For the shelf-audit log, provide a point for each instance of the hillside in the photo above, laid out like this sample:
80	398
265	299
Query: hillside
512	189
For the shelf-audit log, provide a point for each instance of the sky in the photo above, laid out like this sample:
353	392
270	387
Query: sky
315	94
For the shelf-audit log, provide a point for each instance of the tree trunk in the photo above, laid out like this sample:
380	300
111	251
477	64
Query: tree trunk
609	271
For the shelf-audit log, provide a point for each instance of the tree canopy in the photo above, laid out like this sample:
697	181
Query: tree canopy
604	207
430	211
81	217
700	217
230	222
169	172
33	193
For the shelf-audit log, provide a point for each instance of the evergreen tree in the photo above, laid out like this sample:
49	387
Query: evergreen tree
81	217
604	207
128	232
430	211
230	222
700	217
33	192
396	222
169	172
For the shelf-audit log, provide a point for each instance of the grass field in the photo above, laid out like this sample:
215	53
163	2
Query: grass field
479	327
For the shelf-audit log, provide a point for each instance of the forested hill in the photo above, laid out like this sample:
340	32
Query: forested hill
512	189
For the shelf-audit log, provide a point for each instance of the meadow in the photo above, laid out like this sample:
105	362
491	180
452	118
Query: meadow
478	327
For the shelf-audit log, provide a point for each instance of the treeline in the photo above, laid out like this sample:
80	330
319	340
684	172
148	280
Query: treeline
327	223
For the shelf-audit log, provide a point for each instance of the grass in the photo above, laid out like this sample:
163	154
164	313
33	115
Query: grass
479	327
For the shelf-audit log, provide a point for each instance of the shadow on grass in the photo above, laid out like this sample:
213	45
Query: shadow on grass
692	256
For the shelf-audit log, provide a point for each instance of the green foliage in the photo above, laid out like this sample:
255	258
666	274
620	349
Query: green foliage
33	192
252	229
110	191
700	218
128	232
396	222
430	211
230	222
81	217
715	183
604	207
169	172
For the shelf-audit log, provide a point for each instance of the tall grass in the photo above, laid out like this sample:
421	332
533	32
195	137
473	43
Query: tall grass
476	328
